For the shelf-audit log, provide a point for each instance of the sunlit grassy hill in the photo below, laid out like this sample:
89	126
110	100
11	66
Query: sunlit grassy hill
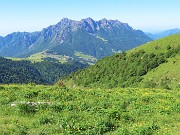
168	72
159	46
155	64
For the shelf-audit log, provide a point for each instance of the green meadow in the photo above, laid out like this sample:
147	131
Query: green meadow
44	110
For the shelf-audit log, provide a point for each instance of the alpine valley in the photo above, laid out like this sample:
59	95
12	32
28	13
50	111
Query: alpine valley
131	93
86	40
64	73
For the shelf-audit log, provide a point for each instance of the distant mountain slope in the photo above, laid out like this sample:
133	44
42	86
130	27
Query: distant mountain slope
149	65
163	34
93	38
17	43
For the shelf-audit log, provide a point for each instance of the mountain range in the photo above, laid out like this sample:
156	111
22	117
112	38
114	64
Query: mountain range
86	40
163	34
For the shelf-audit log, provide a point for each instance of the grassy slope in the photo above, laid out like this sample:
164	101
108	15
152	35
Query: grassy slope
38	57
89	111
33	58
97	111
159	46
90	59
169	71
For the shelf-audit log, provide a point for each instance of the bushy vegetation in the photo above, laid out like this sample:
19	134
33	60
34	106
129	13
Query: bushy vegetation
40	73
166	75
18	72
122	70
52	72
28	109
128	69
38	109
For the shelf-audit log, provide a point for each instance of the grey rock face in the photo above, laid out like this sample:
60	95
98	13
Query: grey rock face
96	38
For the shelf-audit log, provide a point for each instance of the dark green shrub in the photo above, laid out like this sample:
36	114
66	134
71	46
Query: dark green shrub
44	95
22	130
149	84
146	130
31	94
157	47
164	83
43	107
168	47
106	126
26	108
122	131
2	88
114	115
165	86
57	107
141	71
46	119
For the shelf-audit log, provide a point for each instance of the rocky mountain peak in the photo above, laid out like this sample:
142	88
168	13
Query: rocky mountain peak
88	20
65	22
107	23
89	25
95	38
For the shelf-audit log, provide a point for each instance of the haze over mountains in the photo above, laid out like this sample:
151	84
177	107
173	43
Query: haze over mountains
71	39
163	34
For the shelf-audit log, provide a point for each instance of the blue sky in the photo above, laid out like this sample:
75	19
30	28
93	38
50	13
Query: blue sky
33	15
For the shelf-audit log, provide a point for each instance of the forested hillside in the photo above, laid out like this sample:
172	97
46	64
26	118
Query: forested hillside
129	69
39	73
52	72
18	72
